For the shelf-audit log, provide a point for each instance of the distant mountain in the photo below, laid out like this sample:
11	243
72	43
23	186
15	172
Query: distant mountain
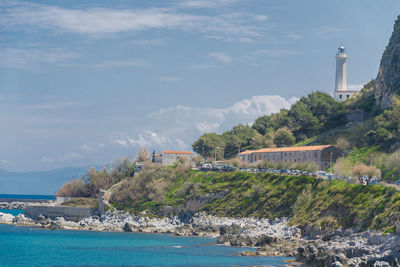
37	182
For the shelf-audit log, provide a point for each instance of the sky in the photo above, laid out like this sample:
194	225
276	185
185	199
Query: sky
87	82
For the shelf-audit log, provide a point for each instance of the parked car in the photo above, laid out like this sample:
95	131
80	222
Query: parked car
397	182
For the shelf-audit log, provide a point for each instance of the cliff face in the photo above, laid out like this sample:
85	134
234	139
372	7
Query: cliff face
388	80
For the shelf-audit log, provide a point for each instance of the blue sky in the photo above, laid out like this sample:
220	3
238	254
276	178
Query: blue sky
85	82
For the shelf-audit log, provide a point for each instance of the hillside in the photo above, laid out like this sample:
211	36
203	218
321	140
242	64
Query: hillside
165	191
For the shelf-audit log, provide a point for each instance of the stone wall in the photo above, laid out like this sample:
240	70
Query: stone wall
68	213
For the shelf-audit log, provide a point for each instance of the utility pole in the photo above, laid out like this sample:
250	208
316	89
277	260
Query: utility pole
331	162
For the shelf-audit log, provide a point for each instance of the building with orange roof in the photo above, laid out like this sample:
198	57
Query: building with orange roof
322	155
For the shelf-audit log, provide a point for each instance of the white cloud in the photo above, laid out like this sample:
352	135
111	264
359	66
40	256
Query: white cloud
261	17
86	148
119	64
329	31
6	163
100	22
68	157
52	105
32	57
276	52
177	127
246	40
47	160
205	3
294	36
203	66
149	42
170	79
220	56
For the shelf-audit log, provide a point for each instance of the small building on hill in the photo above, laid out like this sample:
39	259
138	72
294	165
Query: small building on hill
322	156
170	157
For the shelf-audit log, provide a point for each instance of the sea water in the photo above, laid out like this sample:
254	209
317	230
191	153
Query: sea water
22	196
26	246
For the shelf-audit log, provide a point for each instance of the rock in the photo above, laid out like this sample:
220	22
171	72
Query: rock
55	226
6	218
337	264
234	229
264	240
388	80
381	264
127	227
376	240
397	228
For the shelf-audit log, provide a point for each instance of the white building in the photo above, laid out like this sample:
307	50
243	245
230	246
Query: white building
341	93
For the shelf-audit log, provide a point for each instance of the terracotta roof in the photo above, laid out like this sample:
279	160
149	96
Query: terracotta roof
286	149
157	155
177	152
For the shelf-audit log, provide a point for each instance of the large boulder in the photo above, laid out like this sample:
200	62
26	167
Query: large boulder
6	218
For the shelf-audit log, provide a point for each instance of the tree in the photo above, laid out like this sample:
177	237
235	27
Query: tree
390	165
360	170
343	166
284	137
387	127
209	143
262	141
239	138
342	144
304	119
142	155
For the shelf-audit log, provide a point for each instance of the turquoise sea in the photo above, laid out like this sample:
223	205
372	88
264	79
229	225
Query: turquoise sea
25	246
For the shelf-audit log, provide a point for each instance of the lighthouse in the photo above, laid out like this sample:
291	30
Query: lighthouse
341	93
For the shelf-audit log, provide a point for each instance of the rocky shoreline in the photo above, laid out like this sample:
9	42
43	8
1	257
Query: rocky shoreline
310	246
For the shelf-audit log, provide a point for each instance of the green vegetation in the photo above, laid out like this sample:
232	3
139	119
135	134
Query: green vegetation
310	116
91	182
318	120
304	199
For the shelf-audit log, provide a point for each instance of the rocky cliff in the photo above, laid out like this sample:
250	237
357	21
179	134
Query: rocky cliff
388	80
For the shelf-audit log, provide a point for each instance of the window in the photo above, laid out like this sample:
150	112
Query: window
340	96
348	96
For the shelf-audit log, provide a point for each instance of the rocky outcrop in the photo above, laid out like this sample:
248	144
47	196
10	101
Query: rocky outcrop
356	249
388	79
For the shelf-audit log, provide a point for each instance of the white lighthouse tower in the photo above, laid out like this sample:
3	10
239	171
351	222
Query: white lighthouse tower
341	93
